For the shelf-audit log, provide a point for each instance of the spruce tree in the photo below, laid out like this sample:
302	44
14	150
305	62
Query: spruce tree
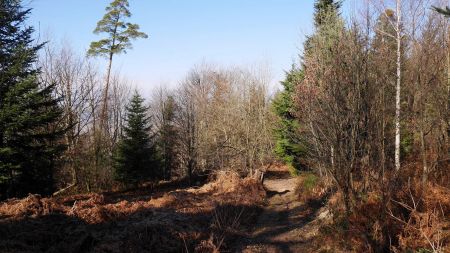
323	9
28	112
135	158
326	12
288	145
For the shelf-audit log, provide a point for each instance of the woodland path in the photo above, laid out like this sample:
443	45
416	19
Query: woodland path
286	223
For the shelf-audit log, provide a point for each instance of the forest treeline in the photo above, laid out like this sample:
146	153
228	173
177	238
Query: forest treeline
217	118
366	108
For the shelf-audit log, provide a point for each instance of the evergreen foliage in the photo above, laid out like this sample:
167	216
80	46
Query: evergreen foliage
326	18
28	112
120	33
325	8
118	40
136	159
444	11
288	146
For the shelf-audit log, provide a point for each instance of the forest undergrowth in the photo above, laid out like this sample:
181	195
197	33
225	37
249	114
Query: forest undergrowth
415	219
201	219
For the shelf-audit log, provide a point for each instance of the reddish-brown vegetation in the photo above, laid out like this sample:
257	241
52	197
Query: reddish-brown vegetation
201	219
417	217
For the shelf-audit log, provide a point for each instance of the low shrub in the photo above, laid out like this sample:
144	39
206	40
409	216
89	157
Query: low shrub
310	187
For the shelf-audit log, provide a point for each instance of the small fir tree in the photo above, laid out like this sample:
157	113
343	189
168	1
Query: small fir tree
135	157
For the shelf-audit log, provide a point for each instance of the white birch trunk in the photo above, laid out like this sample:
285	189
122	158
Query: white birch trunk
398	86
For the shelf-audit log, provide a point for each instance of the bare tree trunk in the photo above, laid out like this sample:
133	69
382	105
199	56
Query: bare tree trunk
383	135
104	118
316	145
448	90
424	156
398	86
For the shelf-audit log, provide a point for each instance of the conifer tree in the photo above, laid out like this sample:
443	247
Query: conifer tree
28	112
323	9
135	157
288	146
444	11
118	40
326	13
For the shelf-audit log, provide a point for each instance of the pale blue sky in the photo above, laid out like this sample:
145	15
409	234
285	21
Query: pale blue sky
184	33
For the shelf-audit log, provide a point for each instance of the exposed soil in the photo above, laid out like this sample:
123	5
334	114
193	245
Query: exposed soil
287	224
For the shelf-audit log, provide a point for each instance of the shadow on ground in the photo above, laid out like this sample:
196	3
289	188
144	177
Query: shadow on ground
284	220
146	230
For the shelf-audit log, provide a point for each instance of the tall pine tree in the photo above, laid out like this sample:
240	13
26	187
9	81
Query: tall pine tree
28	112
136	159
119	35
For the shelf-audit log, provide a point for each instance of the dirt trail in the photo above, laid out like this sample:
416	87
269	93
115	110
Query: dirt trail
286	224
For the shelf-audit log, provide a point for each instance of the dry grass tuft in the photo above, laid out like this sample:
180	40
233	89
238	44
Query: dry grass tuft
426	224
311	187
